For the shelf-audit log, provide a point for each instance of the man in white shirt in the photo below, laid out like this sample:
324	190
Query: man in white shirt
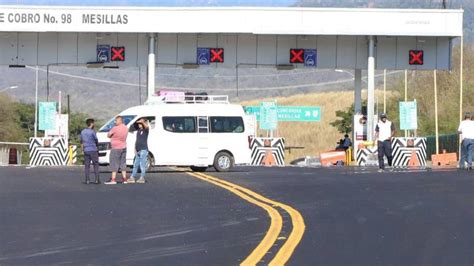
384	132
466	129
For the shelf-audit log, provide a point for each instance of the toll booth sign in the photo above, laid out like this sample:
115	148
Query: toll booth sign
297	56
103	53
310	57
203	56
416	57
217	55
118	53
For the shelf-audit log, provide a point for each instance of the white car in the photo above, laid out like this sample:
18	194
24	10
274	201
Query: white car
198	131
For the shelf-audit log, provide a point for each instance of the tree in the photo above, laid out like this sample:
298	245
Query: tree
344	124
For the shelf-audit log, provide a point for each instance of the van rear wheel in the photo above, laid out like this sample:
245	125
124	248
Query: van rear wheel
223	161
150	161
198	168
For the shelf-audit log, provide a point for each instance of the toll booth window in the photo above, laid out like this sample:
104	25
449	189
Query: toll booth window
107	127
227	124
179	124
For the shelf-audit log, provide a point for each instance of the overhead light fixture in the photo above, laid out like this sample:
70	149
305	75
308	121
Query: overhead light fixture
285	67
94	64
190	65
17	66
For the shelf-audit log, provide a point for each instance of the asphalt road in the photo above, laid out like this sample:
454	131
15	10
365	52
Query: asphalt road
352	217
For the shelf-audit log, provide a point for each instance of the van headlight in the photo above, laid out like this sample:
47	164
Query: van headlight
104	146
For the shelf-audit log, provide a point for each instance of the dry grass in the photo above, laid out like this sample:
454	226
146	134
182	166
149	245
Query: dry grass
314	136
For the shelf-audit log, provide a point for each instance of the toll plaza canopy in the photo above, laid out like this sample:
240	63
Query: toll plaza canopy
341	38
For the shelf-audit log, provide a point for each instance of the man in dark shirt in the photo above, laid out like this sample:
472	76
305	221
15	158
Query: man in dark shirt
89	147
141	152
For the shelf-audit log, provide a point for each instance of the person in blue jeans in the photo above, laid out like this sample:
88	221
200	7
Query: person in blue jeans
141	152
91	153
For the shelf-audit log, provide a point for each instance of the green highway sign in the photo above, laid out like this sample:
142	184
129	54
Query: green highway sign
291	113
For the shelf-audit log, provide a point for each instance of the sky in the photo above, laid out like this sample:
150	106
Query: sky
173	3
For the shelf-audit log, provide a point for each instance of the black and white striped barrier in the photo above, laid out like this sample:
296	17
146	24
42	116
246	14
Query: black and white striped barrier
48	152
403	150
268	151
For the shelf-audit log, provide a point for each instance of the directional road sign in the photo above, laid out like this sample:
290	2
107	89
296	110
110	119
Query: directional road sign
47	115
268	115
408	116
103	53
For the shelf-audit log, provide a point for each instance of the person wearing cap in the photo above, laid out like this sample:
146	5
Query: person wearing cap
384	132
466	130
141	152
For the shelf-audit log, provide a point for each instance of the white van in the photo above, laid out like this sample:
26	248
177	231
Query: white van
195	131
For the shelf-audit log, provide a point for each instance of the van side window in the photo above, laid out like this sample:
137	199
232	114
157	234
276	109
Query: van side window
227	124
179	124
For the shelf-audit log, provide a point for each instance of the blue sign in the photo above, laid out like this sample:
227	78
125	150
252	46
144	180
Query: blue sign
310	57
103	53
47	115
203	56
408	116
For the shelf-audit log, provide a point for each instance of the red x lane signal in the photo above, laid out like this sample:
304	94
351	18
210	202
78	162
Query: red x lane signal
296	55
416	57
118	53
217	55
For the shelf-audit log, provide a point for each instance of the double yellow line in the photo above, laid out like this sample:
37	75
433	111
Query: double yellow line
286	250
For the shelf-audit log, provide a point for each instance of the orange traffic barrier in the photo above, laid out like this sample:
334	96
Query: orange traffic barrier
269	159
413	160
444	159
332	157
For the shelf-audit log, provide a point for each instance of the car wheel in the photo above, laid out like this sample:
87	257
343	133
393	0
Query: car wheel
223	161
150	162
198	168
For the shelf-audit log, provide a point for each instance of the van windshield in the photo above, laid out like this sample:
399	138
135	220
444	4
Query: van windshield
107	127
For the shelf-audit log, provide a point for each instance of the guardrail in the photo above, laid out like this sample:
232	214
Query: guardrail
12	152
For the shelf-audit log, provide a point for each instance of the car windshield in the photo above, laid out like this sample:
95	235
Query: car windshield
107	127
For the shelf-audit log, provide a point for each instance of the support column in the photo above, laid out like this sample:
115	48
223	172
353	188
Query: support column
371	89
357	91
151	66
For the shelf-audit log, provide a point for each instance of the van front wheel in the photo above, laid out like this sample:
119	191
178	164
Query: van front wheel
223	161
198	168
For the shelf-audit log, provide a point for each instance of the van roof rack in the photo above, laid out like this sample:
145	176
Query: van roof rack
187	99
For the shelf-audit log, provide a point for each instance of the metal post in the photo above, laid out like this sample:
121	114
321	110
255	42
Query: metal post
36	103
406	94
140	85
357	91
385	90
47	83
237	79
151	66
460	86
436	110
370	89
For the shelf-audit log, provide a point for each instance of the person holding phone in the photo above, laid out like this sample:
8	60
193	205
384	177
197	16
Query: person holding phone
141	152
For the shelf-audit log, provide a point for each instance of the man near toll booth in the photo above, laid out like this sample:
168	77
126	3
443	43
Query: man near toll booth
463	127
384	132
118	141
141	152
466	129
89	148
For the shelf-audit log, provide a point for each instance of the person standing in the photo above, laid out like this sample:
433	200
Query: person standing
384	132
141	152
118	141
462	126
466	129
89	143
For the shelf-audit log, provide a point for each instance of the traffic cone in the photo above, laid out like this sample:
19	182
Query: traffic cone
413	160
269	159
